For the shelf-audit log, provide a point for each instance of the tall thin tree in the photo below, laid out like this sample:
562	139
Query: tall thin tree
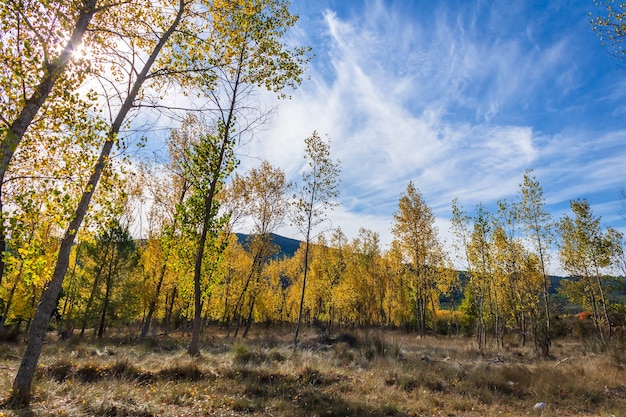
538	224
315	195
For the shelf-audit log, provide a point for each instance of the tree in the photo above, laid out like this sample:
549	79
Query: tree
479	289
117	268
166	193
588	253
32	66
375	287
610	26
23	380
250	55
263	192
327	266
398	299
315	195
210	160
416	234
364	282
538	225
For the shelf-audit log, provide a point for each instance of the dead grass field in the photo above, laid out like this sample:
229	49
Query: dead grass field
361	373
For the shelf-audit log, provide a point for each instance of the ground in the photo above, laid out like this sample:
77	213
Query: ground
350	373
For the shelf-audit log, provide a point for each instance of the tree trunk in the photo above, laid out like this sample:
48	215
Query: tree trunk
94	288
146	325
605	311
106	301
239	304
170	308
194	348
238	317
225	315
306	268
249	321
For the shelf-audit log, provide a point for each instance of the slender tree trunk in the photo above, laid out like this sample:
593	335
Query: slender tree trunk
23	380
239	304
225	315
94	288
112	270
170	308
146	325
105	306
9	301
522	327
255	272
194	349
605	311
480	322
249	320
306	269
546	341
595	313
238	324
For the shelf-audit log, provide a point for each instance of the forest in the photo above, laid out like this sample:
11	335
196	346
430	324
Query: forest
82	83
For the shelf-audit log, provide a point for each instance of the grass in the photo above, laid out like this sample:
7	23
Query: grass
365	373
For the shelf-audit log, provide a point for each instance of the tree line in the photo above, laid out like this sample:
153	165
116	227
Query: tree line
331	280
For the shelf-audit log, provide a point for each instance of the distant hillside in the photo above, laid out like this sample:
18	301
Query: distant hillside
457	296
288	246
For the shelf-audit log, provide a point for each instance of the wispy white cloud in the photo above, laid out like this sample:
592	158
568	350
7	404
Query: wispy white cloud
456	102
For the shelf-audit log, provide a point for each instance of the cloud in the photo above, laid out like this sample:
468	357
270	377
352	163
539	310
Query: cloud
460	102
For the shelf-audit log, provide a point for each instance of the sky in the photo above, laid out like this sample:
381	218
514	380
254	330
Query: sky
459	97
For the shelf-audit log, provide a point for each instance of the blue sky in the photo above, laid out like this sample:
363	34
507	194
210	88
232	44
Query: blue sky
460	97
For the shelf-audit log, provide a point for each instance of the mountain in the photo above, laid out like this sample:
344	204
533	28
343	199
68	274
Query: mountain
287	246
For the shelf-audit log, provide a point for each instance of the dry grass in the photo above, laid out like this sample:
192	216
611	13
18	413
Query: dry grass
375	373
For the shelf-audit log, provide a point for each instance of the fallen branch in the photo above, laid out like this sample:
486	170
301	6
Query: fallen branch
560	362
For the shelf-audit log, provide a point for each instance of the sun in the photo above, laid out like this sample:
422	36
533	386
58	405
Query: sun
82	53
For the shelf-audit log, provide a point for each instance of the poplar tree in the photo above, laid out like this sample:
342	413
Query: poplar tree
366	283
315	195
588	253
481	279
416	235
251	55
210	161
538	225
264	194
334	264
